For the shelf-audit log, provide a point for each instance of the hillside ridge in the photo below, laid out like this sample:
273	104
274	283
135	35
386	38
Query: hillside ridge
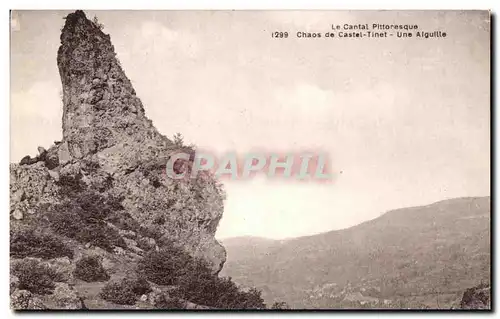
394	258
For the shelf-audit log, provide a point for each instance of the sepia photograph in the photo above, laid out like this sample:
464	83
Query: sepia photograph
251	160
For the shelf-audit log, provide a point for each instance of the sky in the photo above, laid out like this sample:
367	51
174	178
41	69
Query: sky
406	121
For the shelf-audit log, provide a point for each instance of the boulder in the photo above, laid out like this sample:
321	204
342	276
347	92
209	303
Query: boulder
476	298
65	297
14	283
25	300
18	214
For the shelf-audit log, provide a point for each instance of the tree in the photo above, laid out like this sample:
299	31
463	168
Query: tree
178	139
97	23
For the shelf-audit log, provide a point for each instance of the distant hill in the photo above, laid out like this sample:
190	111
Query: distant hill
412	257
245	247
247	241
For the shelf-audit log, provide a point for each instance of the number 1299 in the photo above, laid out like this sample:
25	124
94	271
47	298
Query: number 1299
279	34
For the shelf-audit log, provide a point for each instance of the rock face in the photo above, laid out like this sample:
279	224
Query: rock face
22	299
110	143
65	297
476	298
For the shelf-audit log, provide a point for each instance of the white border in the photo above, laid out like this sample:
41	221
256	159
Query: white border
252	4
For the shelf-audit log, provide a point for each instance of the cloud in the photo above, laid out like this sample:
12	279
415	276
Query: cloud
351	107
157	38
36	112
41	100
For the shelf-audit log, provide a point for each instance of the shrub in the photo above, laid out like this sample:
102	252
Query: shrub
201	287
251	299
29	243
94	206
198	283
160	220
174	266
100	235
96	232
78	193
164	267
178	139
83	218
126	291
145	243
114	203
167	302
65	221
90	269
138	284
119	293
151	231
91	206
280	305
35	277
123	220
71	185
96	22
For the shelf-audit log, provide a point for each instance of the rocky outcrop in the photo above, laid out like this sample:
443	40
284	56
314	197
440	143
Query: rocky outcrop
477	298
64	297
31	187
25	300
110	144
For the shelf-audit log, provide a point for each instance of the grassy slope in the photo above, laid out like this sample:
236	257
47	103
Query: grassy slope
427	254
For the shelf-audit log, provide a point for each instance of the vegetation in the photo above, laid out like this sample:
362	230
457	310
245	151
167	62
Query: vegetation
420	256
96	22
71	185
206	289
126	291
167	302
196	283
30	243
86	215
119	293
153	171
164	267
82	216
35	277
123	220
71	222
280	305
178	139
138	284
90	269
151	231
